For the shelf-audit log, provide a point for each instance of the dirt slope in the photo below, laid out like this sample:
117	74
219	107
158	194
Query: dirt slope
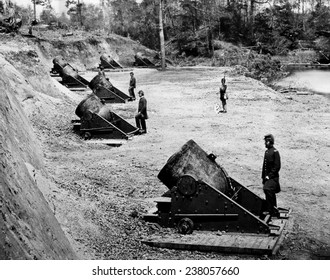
28	227
32	98
83	50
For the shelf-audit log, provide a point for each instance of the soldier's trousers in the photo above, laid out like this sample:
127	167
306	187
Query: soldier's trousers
271	202
131	93
141	122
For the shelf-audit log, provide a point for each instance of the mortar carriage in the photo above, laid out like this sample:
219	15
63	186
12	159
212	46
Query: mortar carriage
99	121
69	75
203	197
106	91
107	62
142	61
58	64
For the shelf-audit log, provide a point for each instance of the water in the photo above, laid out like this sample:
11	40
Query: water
317	81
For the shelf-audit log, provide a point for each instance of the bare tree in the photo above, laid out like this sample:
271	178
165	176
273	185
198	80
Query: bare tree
161	34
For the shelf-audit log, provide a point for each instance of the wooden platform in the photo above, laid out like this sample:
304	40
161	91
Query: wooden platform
109	142
111	70
233	243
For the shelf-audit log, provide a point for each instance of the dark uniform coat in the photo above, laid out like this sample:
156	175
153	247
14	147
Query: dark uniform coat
132	82
223	89
271	167
143	107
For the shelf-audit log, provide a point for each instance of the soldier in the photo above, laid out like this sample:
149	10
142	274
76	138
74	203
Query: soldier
223	95
142	115
132	86
270	175
101	71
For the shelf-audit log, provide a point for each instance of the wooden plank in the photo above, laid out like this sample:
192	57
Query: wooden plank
280	238
268	243
229	243
78	88
107	141
254	243
163	199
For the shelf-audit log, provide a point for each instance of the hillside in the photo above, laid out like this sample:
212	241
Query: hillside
66	198
33	108
29	229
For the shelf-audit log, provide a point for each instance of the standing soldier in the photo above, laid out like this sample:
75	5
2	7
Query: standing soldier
223	95
101	71
132	86
142	115
270	175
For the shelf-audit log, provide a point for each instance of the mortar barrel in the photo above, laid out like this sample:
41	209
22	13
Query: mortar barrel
93	104
192	160
69	71
100	80
59	63
106	58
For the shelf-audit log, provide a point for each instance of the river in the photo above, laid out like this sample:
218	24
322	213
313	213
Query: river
317	81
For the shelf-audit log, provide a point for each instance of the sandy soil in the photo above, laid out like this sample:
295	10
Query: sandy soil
101	192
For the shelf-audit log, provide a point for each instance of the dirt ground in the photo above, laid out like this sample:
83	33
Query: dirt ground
101	192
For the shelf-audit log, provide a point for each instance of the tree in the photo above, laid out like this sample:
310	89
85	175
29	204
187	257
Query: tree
105	9
63	21
41	3
161	34
47	16
279	28
125	18
93	17
25	13
75	8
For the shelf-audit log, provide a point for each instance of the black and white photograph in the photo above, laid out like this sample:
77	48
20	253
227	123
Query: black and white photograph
149	130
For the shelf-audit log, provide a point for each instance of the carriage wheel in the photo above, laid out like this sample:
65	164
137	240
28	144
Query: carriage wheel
185	226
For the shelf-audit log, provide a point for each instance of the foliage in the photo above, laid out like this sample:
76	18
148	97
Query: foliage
125	17
92	17
192	27
47	16
45	3
263	67
25	13
319	18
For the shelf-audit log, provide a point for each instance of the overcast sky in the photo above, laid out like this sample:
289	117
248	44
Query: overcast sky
58	5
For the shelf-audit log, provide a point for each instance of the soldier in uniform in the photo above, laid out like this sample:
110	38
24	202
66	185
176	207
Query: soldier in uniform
223	95
270	175
132	86
142	115
101	71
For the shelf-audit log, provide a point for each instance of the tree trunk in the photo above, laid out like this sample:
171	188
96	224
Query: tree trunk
250	15
161	34
34	11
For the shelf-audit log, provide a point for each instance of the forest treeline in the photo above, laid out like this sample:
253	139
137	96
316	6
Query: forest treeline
194	26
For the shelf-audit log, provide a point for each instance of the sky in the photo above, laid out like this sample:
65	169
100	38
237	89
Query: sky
58	5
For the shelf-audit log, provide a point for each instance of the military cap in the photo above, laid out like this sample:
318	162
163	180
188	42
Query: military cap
269	137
